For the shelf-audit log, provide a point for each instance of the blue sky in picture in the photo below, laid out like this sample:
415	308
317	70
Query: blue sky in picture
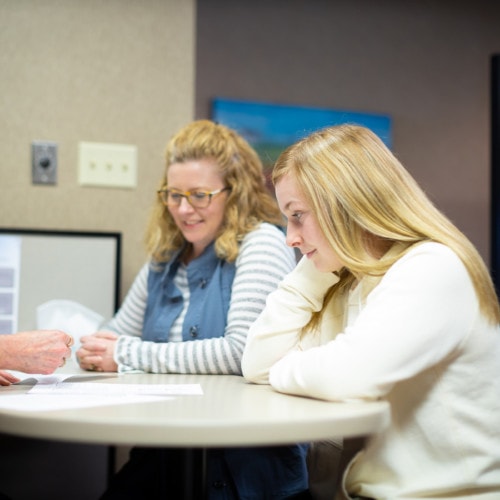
270	128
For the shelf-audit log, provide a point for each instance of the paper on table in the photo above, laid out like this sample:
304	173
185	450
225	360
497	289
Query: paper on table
53	378
90	388
52	393
46	402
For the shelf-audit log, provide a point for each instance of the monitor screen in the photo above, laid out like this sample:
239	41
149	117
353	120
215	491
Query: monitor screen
37	266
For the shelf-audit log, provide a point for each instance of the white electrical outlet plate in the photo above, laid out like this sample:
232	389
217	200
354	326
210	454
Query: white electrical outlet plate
110	165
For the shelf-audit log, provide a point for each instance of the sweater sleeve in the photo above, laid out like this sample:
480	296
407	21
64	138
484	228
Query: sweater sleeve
276	332
263	261
419	314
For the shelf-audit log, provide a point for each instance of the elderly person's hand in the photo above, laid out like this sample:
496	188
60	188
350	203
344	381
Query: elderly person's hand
96	352
39	351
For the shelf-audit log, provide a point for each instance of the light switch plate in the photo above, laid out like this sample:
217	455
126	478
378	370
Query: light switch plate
110	165
44	162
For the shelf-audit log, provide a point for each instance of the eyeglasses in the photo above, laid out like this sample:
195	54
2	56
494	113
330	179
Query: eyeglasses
197	199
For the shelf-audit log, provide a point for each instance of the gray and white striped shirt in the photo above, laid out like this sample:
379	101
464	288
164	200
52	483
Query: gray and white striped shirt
262	262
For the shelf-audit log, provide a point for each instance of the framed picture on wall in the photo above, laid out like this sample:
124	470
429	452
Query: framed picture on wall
271	128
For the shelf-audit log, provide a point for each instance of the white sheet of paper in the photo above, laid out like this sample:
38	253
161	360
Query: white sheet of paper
47	402
54	378
90	388
51	392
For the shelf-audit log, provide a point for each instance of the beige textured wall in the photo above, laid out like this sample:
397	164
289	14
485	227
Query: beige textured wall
119	71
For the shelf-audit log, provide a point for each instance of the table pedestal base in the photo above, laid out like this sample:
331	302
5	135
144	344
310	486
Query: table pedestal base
195	474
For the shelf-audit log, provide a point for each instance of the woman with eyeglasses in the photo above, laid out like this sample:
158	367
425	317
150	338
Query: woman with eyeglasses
216	250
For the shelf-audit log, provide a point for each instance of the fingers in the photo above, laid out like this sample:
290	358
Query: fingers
91	363
99	335
69	341
4	381
7	378
96	352
106	335
95	344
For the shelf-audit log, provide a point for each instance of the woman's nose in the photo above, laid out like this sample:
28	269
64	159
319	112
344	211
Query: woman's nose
292	237
184	205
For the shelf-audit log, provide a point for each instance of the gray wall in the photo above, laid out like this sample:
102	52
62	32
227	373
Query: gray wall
426	64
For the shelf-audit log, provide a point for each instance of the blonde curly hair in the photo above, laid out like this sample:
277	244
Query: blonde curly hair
249	201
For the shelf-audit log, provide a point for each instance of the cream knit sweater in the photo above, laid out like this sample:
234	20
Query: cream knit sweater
418	340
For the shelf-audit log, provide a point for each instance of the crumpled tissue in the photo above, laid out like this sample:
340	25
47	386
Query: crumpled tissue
70	317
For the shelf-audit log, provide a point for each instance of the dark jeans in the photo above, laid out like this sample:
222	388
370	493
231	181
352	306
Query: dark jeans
159	474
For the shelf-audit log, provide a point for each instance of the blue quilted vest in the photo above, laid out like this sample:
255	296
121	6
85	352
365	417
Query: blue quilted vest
210	281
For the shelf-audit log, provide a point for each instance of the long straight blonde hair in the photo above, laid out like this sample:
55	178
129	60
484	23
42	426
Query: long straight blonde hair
357	187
